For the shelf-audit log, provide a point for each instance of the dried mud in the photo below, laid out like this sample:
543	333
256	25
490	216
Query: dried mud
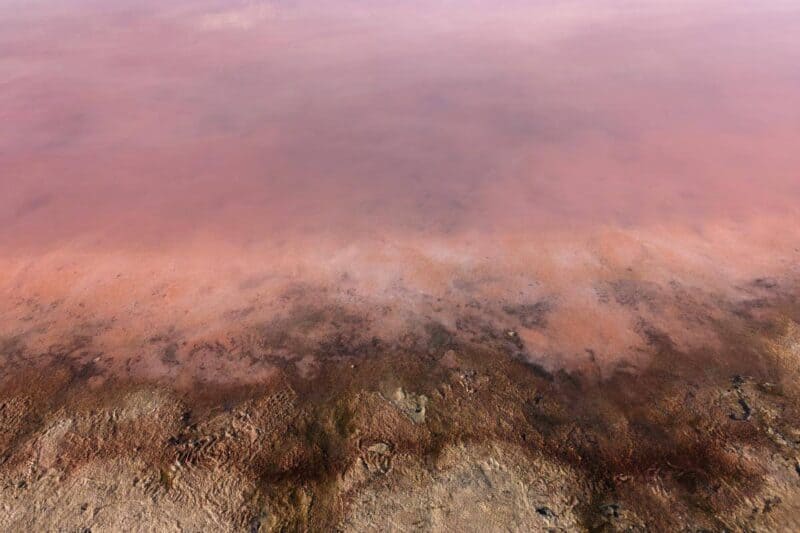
434	430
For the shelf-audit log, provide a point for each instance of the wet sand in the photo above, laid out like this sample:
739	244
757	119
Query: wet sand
377	266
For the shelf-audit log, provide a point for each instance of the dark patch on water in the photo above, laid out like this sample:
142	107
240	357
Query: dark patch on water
440	339
633	293
33	204
170	355
531	316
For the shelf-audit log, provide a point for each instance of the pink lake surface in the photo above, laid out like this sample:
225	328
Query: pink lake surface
164	163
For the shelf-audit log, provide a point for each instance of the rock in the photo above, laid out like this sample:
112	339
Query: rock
546	512
410	404
380	448
449	360
610	510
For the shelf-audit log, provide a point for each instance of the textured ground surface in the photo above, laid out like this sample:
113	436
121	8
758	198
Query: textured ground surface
438	430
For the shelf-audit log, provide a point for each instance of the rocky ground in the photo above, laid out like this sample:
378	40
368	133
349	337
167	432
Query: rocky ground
438	430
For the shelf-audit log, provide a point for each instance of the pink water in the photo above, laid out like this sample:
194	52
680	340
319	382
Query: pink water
164	163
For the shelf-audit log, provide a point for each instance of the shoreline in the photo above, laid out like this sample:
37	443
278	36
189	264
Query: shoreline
713	430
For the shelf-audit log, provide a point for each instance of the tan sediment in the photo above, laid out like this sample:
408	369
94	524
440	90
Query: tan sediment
706	439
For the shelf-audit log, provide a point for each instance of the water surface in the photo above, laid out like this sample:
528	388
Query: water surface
165	163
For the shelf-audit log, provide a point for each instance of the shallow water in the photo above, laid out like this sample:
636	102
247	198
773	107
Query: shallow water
166	165
271	117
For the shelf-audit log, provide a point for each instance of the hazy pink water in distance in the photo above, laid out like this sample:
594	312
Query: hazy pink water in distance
441	141
154	120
